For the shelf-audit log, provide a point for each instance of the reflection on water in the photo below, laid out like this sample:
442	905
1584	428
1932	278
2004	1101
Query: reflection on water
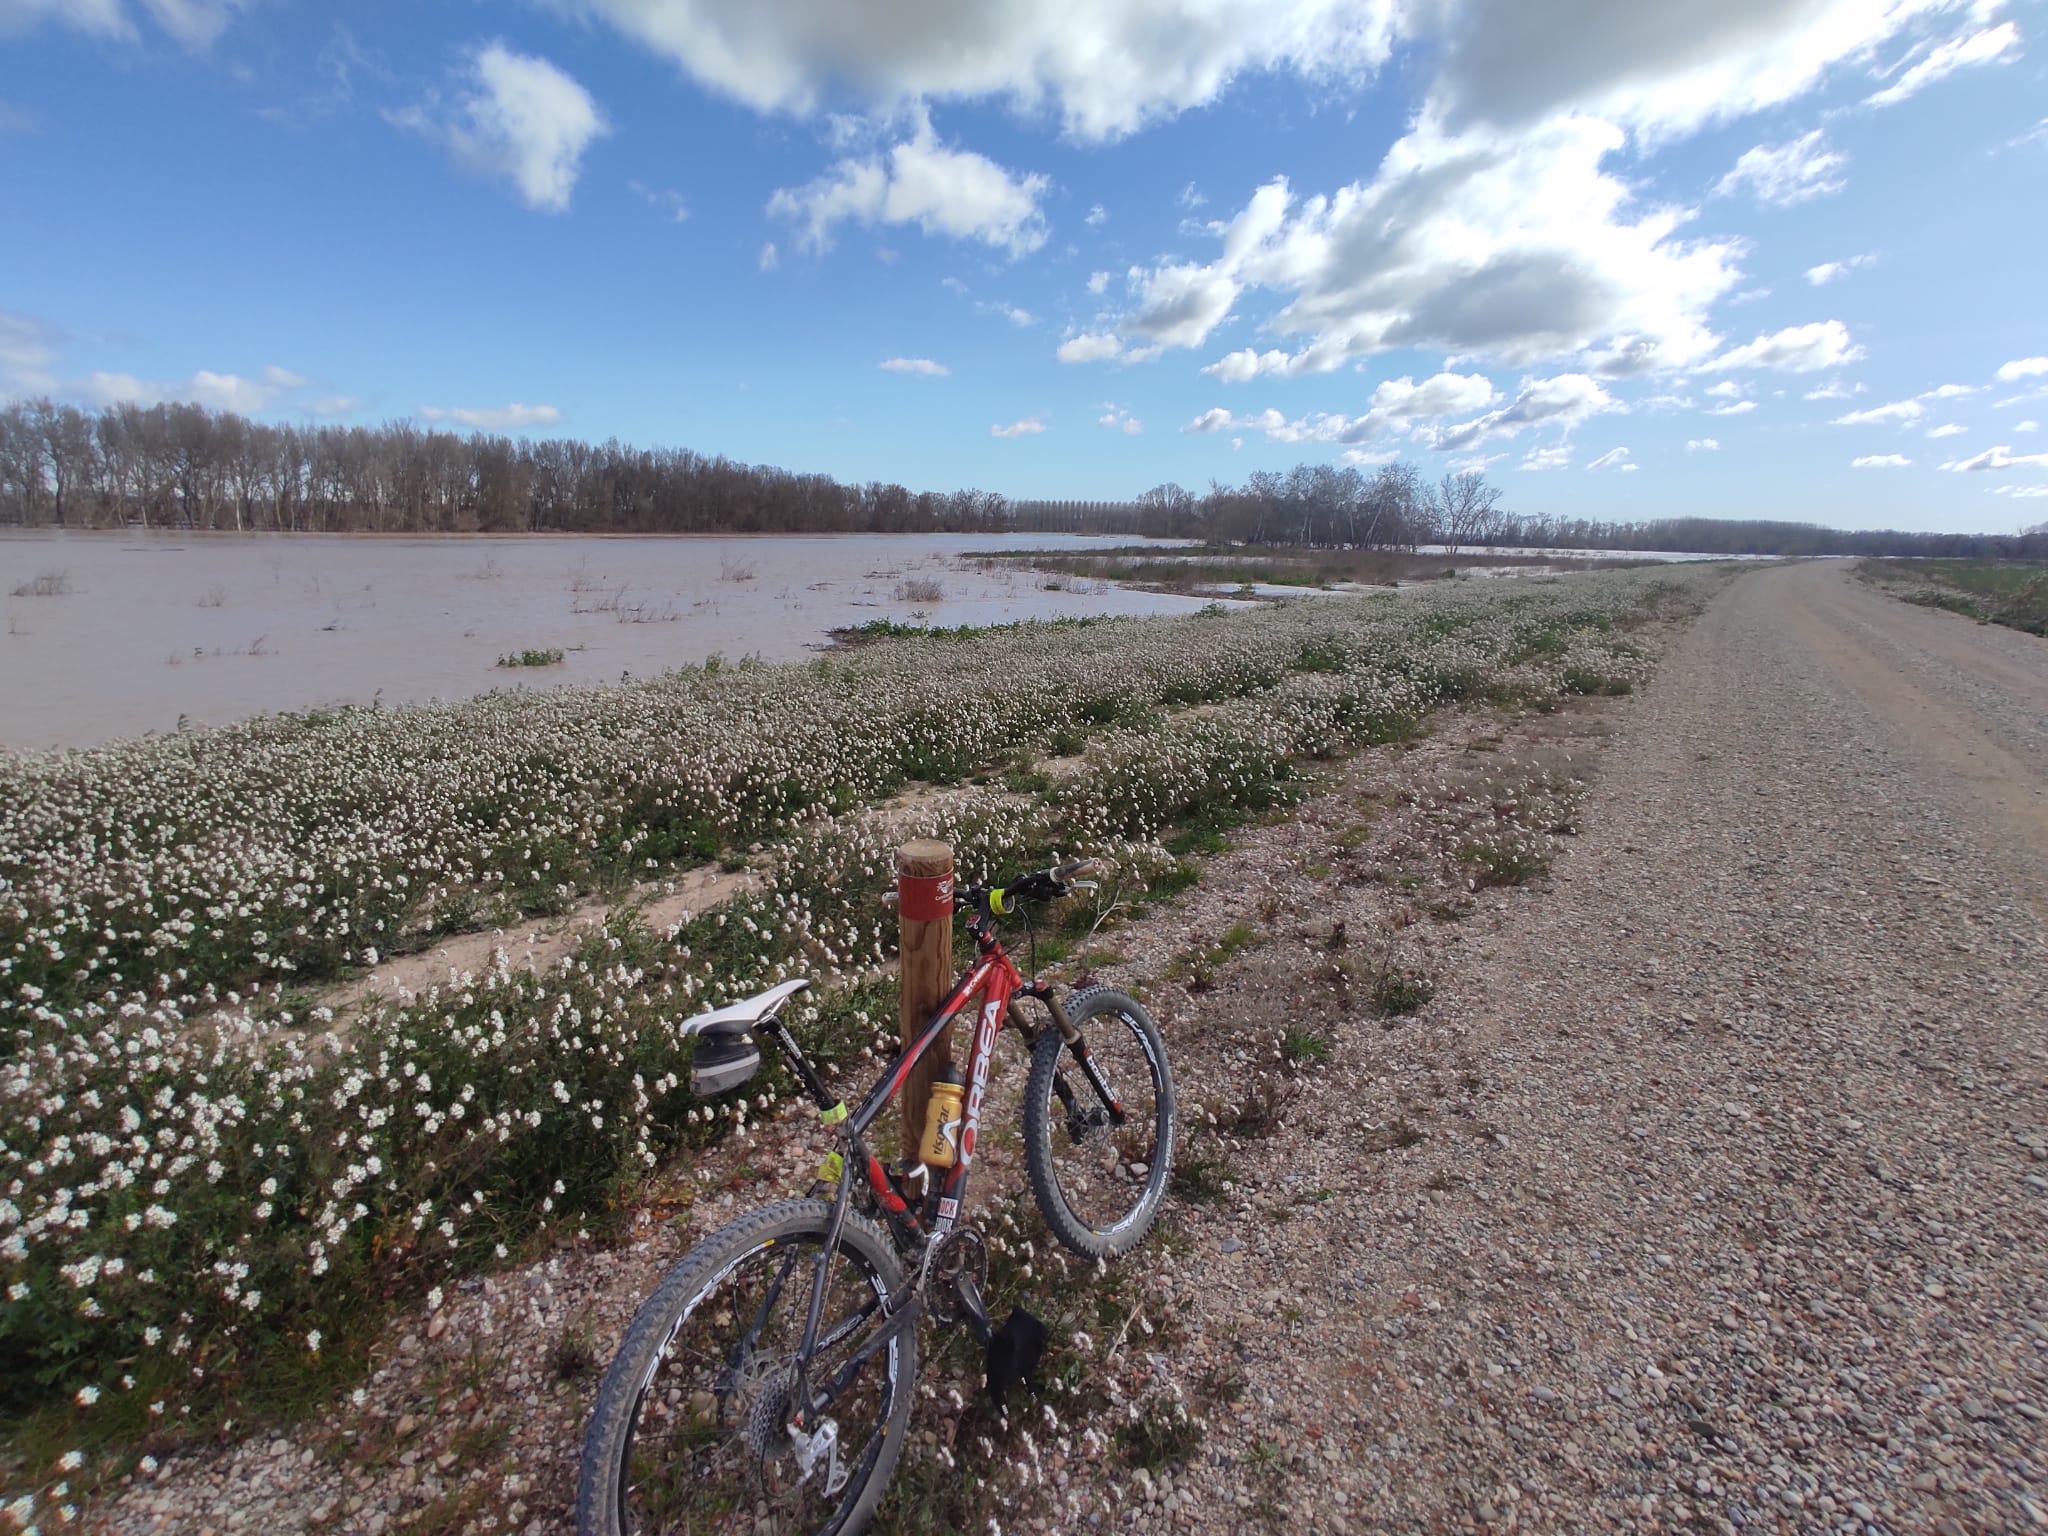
138	631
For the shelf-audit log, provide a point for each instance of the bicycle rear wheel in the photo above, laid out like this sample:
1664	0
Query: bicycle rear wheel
1099	1180
690	1430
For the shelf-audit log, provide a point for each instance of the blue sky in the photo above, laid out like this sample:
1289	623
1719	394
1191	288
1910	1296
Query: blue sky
1764	257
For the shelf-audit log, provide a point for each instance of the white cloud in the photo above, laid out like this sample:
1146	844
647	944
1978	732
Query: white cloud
1834	389
1096	217
1948	392
1881	461
1796	349
1828	271
1119	418
1734	408
1662	71
1098	282
1520	250
1215	419
769	258
2021	368
1726	389
1703	445
1248	363
1615	459
518	117
1022	428
1021	318
1987	46
1559	457
1899	411
1108	67
923	365
2027	426
1567	400
662	199
1786	174
1997	458
334	405
1948	430
1090	347
493	418
920	181
2026	492
215	391
193	23
1452	394
28	355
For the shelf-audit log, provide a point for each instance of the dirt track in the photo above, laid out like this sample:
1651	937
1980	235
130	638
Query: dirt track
1759	1242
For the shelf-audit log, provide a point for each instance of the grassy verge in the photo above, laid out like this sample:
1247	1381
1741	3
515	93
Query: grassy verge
2009	592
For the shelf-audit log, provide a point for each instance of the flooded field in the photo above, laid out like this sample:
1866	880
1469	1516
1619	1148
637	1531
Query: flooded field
112	635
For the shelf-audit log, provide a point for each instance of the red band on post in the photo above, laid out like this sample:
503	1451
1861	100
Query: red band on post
923	899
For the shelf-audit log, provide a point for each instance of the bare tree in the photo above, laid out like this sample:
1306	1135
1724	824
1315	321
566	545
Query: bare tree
1463	507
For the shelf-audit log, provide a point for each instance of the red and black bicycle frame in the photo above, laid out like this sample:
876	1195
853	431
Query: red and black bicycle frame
995	979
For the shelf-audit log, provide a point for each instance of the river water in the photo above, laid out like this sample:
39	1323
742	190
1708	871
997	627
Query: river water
109	635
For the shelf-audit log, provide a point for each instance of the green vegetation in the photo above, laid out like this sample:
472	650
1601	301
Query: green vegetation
2009	592
531	658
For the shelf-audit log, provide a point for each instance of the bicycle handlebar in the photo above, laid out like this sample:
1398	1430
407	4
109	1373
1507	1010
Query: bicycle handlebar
1039	885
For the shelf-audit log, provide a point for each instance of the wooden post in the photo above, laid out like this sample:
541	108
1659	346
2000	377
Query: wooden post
924	904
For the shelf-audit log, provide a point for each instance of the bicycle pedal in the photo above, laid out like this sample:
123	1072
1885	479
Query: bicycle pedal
1014	1351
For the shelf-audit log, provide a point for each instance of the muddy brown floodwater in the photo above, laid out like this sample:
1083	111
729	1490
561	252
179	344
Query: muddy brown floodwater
117	634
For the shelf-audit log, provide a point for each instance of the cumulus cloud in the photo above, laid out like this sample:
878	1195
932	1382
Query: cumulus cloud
1107	67
1090	347
493	418
1566	401
1900	411
193	23
1785	174
1999	458
1119	418
1662	71
1520	250
1949	429
1796	349
923	365
1096	217
1834	389
1615	459
518	117
2021	368
1020	428
1098	282
1547	458
1019	317
2026	426
1702	445
1985	47
1734	408
1828	271
920	181
1881	461
216	391
1215	419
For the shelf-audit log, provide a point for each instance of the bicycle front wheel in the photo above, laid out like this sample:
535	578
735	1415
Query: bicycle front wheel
691	1434
1099	1162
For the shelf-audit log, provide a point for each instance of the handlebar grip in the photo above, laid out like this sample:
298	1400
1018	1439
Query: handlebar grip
1065	872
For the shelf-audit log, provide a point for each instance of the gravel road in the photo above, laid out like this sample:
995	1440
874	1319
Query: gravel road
1737	1221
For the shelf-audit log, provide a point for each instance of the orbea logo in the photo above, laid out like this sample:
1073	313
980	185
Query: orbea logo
984	1053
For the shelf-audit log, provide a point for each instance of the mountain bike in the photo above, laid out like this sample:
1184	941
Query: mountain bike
766	1384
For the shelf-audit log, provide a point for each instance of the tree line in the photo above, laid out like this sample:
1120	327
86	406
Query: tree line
184	466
